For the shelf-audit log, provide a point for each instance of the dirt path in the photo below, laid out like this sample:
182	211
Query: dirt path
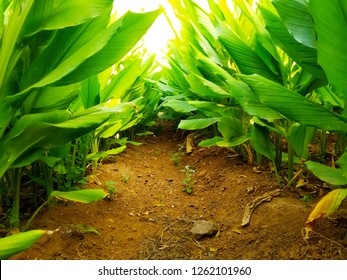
151	217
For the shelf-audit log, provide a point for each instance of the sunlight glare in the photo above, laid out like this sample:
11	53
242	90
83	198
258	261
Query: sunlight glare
157	37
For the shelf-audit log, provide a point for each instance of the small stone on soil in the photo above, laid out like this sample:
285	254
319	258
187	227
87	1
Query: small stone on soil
203	227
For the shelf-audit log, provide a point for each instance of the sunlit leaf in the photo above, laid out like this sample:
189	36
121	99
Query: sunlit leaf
293	105
330	21
16	243
295	15
325	207
84	196
195	124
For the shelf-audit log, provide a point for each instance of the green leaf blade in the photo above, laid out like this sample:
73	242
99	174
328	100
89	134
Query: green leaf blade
83	196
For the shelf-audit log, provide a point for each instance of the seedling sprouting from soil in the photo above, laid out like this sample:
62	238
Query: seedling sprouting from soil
187	182
177	156
306	199
125	178
110	185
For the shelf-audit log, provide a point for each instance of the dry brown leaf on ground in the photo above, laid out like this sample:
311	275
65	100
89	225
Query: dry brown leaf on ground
256	202
189	144
325	207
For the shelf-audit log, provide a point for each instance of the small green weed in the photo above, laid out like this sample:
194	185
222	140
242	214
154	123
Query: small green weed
111	187
177	156
125	178
306	199
188	180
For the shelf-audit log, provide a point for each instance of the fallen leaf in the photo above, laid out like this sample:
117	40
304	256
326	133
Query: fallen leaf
301	183
85	228
189	144
256	170
326	206
236	230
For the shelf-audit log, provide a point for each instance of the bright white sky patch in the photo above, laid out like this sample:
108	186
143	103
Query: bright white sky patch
158	35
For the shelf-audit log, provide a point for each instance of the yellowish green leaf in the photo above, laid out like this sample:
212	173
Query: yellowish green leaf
325	207
16	243
84	196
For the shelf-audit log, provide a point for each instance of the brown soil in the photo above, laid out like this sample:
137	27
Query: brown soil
150	217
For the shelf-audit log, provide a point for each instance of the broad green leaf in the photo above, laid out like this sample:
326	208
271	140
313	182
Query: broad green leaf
195	124
296	17
16	20
261	142
52	98
135	143
244	56
271	126
36	132
205	88
299	136
205	32
58	14
209	68
293	105
125	33
122	81
304	55
94	56
327	96
230	127
100	155
177	75
342	162
109	128
49	160
90	92
136	119
179	106
84	196
249	101
27	157
61	45
5	114
210	142
208	105
262	34
333	176
16	243
232	142
330	21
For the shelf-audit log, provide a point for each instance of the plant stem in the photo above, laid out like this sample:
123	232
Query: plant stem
35	213
323	142
290	161
14	218
278	147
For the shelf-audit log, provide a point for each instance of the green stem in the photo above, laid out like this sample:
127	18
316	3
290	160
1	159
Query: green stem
323	142
277	176
14	218
35	213
48	177
95	150
259	157
278	147
290	161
